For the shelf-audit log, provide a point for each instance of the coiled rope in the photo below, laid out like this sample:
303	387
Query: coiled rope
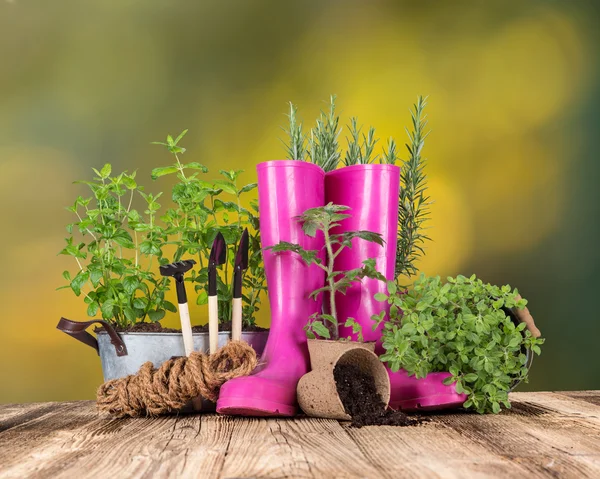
154	391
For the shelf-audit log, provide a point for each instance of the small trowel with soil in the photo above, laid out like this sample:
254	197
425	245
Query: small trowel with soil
241	263
218	256
177	270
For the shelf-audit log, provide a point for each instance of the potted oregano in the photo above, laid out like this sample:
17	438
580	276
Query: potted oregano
482	334
118	248
317	390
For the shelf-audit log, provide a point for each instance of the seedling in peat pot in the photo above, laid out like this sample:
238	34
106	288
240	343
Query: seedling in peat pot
325	219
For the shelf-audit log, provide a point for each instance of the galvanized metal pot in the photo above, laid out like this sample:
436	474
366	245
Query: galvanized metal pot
123	354
158	347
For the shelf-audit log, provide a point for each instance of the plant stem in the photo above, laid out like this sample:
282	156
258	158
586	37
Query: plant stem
331	279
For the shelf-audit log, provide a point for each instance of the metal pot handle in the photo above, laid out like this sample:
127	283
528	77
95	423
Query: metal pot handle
77	330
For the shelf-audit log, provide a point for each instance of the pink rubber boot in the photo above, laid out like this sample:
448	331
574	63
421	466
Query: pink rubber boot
371	191
285	190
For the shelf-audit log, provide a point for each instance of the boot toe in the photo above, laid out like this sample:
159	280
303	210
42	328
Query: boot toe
258	396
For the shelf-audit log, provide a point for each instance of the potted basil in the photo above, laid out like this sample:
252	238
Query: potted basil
118	248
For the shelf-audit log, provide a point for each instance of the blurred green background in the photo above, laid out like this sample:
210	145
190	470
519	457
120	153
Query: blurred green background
514	108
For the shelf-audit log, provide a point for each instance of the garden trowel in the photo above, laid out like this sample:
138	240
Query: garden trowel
218	256
177	270
241	263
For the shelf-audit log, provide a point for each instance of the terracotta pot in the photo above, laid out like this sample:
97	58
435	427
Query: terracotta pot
317	391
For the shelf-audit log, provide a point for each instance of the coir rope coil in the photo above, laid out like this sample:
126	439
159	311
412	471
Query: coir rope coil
154	391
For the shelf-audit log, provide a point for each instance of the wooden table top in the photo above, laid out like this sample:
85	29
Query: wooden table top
546	434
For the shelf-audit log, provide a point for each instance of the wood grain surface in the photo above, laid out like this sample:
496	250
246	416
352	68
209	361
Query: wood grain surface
544	435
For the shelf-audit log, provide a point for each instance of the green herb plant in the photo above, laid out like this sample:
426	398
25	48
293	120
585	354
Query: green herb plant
202	210
296	144
414	204
460	326
322	148
324	219
360	153
114	246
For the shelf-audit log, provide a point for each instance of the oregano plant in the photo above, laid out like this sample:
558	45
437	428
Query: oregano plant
462	326
324	219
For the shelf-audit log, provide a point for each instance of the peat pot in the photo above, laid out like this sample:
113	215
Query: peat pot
317	390
122	354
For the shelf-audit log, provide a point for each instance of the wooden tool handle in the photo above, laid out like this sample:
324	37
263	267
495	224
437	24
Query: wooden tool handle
213	323
236	320
186	328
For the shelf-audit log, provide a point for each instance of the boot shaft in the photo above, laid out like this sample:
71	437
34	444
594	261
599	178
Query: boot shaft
371	191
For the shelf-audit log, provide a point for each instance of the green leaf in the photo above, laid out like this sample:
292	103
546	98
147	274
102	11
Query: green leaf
248	187
156	315
320	329
78	281
130	284
226	186
202	297
194	165
95	276
92	309
140	303
380	297
169	306
129	314
163	170
391	287
181	135
107	309
105	171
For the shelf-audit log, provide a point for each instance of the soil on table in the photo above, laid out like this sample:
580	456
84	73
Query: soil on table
158	328
362	402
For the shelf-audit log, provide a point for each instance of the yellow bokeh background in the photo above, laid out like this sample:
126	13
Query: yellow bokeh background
513	107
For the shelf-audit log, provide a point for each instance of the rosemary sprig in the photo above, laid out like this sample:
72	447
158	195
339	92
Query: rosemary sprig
353	153
296	145
357	153
413	202
390	156
323	147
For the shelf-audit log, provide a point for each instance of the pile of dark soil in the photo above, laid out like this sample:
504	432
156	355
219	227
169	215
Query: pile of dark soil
158	328
226	326
362	402
146	328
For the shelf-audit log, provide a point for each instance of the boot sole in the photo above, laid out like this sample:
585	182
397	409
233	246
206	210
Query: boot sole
239	406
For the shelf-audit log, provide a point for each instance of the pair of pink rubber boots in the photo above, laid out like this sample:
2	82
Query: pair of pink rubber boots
285	190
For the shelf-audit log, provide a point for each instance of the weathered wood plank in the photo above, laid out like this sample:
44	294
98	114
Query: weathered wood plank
429	450
561	404
26	435
299	448
12	415
588	396
544	435
542	440
141	447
